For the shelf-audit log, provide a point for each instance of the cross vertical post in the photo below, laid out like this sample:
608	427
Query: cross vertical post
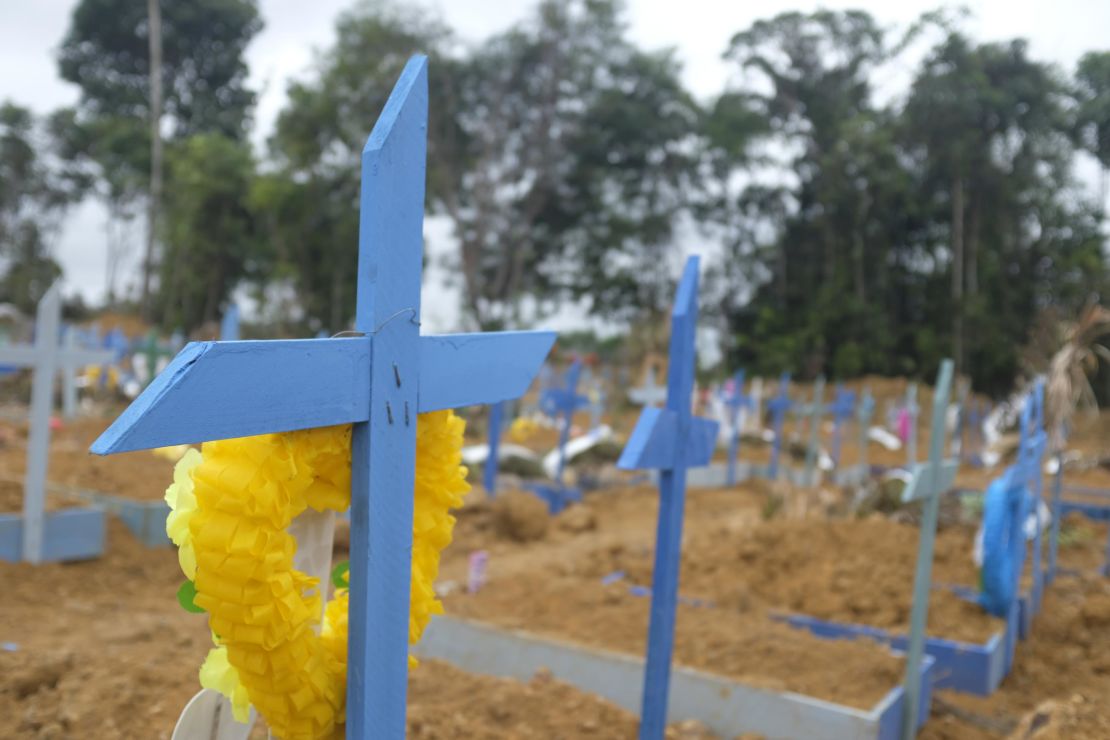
929	481
229	325
843	402
1057	495
1037	440
778	406
670	439
69	379
561	403
489	473
735	402
47	316
863	416
911	435
815	413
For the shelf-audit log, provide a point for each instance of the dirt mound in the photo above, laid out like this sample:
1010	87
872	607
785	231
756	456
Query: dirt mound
521	516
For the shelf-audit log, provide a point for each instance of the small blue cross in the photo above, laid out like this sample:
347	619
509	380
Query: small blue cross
734	400
496	425
778	406
670	439
379	381
561	403
864	412
841	408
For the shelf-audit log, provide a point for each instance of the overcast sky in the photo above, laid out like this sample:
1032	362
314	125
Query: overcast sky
30	30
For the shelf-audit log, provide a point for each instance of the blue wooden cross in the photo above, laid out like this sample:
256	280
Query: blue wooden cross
912	410
489	473
47	357
841	408
229	325
670	439
734	401
815	412
597	398
649	394
929	481
864	412
778	406
1034	472
561	403
378	381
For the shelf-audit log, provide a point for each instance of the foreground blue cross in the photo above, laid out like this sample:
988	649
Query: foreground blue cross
779	406
561	403
734	401
378	381
930	479
670	439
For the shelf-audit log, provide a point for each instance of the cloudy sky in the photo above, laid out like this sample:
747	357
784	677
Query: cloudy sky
30	30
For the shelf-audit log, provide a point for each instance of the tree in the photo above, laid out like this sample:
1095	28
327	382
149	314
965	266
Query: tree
32	200
561	154
106	52
210	228
1092	92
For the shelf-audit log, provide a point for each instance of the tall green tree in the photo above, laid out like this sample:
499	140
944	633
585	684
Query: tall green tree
1092	92
106	53
561	154
33	197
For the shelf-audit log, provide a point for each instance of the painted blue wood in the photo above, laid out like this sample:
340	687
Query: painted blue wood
864	412
229	325
212	390
735	400
489	477
929	482
1035	470
376	380
844	402
970	668
778	406
815	411
911	441
68	535
675	423
561	403
1057	496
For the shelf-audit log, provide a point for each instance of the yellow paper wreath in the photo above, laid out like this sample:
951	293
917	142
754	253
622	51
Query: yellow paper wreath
231	503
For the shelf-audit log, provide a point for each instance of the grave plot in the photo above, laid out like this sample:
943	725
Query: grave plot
101	648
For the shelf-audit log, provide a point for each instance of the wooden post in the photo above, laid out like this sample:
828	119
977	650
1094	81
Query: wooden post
815	412
489	476
670	439
929	481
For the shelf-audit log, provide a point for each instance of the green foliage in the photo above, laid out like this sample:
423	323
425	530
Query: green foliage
210	227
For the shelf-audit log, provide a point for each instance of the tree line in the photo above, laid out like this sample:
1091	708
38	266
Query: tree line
850	230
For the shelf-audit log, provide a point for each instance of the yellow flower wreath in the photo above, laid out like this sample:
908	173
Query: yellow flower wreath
231	503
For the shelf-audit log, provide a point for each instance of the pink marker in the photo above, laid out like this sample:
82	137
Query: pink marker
476	572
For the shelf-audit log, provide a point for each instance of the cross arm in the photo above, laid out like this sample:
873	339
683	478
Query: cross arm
28	355
920	487
218	390
654	441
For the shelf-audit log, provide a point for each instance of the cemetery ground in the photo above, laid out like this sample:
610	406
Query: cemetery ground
101	648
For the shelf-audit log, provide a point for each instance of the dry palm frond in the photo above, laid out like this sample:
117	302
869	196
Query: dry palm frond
1069	388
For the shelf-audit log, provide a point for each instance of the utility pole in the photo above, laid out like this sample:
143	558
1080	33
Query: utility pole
154	16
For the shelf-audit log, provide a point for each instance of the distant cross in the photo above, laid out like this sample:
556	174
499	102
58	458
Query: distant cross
929	481
864	412
597	404
115	341
735	401
670	439
229	325
841	408
815	412
778	407
1038	440
378	381
912	410
153	351
489	474
1057	495
561	403
47	358
649	394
